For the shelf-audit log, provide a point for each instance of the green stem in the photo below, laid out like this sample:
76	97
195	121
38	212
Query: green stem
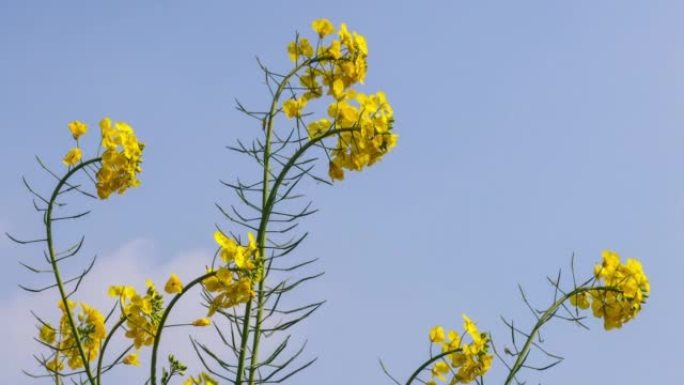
429	362
162	321
55	265
261	241
267	208
545	317
267	199
104	347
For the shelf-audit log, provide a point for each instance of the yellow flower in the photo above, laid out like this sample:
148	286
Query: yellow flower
334	50
437	334
131	359
300	47
173	285
47	333
72	157
318	128
580	300
77	128
252	246
202	379
201	322
243	260
335	171
55	365
293	107
337	89
121	159
323	27
440	369
123	292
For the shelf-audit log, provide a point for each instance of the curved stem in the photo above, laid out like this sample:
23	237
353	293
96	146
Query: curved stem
281	177
55	265
104	347
162	321
548	314
265	214
429	362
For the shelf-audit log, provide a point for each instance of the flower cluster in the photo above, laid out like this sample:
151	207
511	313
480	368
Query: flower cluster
120	160
468	362
232	282
142	312
362	123
91	331
627	289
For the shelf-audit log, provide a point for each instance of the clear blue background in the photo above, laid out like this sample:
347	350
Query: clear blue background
529	131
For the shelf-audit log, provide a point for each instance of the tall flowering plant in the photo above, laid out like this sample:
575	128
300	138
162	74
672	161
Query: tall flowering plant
328	117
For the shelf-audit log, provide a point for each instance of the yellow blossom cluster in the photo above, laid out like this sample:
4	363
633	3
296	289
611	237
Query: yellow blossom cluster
120	160
469	362
232	252
90	326
232	282
370	141
361	122
131	359
142	312
628	288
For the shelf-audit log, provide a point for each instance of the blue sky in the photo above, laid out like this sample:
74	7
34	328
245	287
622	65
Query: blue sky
529	131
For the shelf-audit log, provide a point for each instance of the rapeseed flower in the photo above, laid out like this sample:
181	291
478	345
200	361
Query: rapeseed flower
469	362
131	359
121	159
47	333
201	322
77	128
173	285
618	307
142	312
323	27
625	288
202	379
90	325
72	157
